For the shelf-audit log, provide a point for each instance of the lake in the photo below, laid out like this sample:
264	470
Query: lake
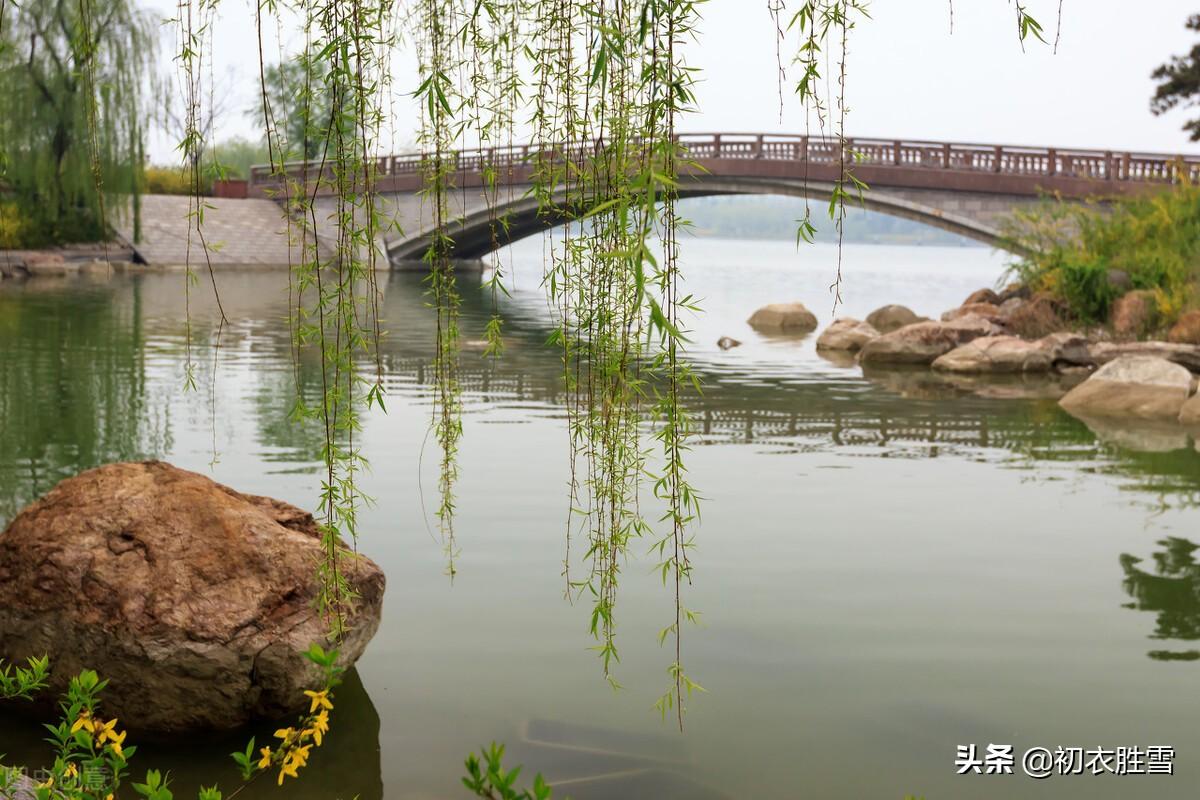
888	566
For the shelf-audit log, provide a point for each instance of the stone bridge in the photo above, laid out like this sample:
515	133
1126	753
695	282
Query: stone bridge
964	188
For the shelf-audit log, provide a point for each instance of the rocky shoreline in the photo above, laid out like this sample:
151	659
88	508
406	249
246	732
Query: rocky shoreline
1107	377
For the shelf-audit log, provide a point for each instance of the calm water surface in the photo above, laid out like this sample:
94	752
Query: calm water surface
888	565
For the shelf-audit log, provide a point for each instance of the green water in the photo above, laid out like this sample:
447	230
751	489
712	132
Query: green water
888	565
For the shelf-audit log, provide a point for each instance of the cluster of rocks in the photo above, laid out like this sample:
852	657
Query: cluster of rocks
63	261
1014	332
196	602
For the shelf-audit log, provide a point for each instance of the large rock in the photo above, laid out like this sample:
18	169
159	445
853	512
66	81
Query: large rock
923	342
1185	355
1036	317
1190	413
1143	387
983	296
990	354
1134	314
1067	349
889	318
788	317
846	334
989	311
1186	329
195	601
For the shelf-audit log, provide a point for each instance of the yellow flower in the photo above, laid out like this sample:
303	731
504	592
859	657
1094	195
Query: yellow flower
105	730
299	756
319	700
320	726
266	758
115	742
84	722
49	782
285	733
71	771
289	770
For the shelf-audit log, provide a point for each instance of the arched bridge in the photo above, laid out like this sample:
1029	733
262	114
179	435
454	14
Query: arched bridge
963	188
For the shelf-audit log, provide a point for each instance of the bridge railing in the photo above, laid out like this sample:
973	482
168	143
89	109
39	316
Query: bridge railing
1095	165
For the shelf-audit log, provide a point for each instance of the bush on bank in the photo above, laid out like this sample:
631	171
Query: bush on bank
1088	256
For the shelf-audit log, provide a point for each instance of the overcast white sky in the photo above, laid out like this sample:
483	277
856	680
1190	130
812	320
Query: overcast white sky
908	75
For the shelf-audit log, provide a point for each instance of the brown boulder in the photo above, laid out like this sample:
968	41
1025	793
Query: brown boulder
196	602
1036	317
892	317
1134	314
923	342
994	354
1143	387
1018	291
846	334
983	296
1187	329
789	317
989	311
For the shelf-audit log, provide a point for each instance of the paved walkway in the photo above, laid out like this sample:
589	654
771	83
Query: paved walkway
251	232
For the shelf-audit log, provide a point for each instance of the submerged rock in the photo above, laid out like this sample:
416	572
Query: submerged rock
989	354
789	317
1143	387
846	334
923	342
196	602
889	318
728	343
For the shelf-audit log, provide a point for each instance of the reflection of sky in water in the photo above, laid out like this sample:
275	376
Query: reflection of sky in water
886	567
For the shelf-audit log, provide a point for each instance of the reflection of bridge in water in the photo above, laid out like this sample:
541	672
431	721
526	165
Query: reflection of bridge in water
963	188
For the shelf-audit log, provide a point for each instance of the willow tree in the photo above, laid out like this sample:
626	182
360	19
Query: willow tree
72	74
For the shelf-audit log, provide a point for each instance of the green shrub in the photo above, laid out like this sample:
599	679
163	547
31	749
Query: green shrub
1071	249
171	180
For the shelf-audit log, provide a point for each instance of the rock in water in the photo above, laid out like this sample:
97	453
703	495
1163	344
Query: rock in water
889	318
992	354
784	317
846	334
728	343
196	602
923	342
1143	387
1190	413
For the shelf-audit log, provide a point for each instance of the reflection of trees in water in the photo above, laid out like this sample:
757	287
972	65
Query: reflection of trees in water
73	387
83	352
1173	592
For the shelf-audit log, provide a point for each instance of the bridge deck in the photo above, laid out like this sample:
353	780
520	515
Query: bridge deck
954	166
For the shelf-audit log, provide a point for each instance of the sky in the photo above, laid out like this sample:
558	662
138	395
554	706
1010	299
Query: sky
909	76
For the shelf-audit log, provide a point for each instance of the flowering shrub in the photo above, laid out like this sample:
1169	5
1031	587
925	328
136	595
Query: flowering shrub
91	757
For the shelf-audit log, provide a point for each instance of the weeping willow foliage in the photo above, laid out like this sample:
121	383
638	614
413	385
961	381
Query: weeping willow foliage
602	85
72	76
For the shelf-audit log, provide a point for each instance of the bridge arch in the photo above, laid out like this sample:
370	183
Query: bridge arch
473	232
